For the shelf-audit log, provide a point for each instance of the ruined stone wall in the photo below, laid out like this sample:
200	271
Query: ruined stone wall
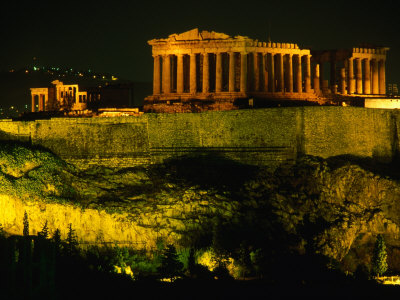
259	136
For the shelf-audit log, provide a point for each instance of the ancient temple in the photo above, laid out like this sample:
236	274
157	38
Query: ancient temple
217	68
58	96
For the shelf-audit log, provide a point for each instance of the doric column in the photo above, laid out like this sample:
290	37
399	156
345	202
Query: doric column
262	72
307	78
156	75
358	76
179	74
265	71
193	79
271	73
256	74
206	73
342	89
375	77
166	76
289	72
281	79
243	72
382	79
231	71
33	103
350	77
41	102
299	87
218	72
367	76
316	78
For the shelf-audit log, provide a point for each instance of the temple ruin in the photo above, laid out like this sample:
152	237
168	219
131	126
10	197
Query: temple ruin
210	67
58	96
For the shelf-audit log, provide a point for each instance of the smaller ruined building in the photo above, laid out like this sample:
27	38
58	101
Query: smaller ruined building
59	96
72	97
215	69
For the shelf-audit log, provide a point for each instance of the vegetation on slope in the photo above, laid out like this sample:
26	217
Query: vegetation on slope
251	221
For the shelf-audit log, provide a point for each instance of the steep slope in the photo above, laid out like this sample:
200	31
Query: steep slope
333	207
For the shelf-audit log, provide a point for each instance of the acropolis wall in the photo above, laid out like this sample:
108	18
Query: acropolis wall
252	136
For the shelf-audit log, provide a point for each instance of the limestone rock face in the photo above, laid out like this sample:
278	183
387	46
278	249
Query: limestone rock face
333	207
337	208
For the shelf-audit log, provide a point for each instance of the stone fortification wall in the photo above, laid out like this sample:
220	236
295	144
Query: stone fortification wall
259	136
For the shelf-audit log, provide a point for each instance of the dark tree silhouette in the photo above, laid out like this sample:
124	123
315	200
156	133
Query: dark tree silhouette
170	265
25	231
44	233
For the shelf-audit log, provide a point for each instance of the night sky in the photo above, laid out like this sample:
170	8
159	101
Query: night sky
112	36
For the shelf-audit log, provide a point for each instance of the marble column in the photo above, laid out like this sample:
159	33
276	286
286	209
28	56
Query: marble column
358	76
156	75
316	78
256	74
299	87
166	76
342	89
231	87
41	98
382	79
206	74
375	77
350	77
218	72
367	76
289	72
265	71
271	73
243	72
33	108
281	80
307	84
193	79
179	74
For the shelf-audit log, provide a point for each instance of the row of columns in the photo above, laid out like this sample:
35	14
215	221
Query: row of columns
360	76
371	81
272	82
41	102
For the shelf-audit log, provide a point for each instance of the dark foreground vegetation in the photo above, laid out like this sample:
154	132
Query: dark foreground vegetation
45	267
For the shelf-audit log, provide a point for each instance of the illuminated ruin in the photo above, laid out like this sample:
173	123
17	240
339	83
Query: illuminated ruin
57	97
215	67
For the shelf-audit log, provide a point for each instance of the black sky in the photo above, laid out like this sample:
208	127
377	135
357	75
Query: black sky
112	36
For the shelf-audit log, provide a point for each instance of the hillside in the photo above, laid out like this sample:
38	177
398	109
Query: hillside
330	208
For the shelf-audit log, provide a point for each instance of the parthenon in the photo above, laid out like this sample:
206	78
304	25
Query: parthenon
217	67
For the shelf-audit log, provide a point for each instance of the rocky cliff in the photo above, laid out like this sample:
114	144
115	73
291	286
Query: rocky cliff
334	207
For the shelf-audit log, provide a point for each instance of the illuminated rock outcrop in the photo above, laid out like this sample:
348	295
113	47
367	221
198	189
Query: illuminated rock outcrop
334	207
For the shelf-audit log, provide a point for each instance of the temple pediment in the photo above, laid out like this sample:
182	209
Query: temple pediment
195	34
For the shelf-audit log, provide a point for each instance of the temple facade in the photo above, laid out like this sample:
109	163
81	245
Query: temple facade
359	71
214	66
58	96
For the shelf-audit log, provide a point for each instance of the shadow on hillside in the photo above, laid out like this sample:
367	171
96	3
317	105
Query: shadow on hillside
207	171
391	170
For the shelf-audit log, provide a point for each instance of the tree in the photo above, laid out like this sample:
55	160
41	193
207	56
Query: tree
379	263
44	233
72	241
170	264
25	231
